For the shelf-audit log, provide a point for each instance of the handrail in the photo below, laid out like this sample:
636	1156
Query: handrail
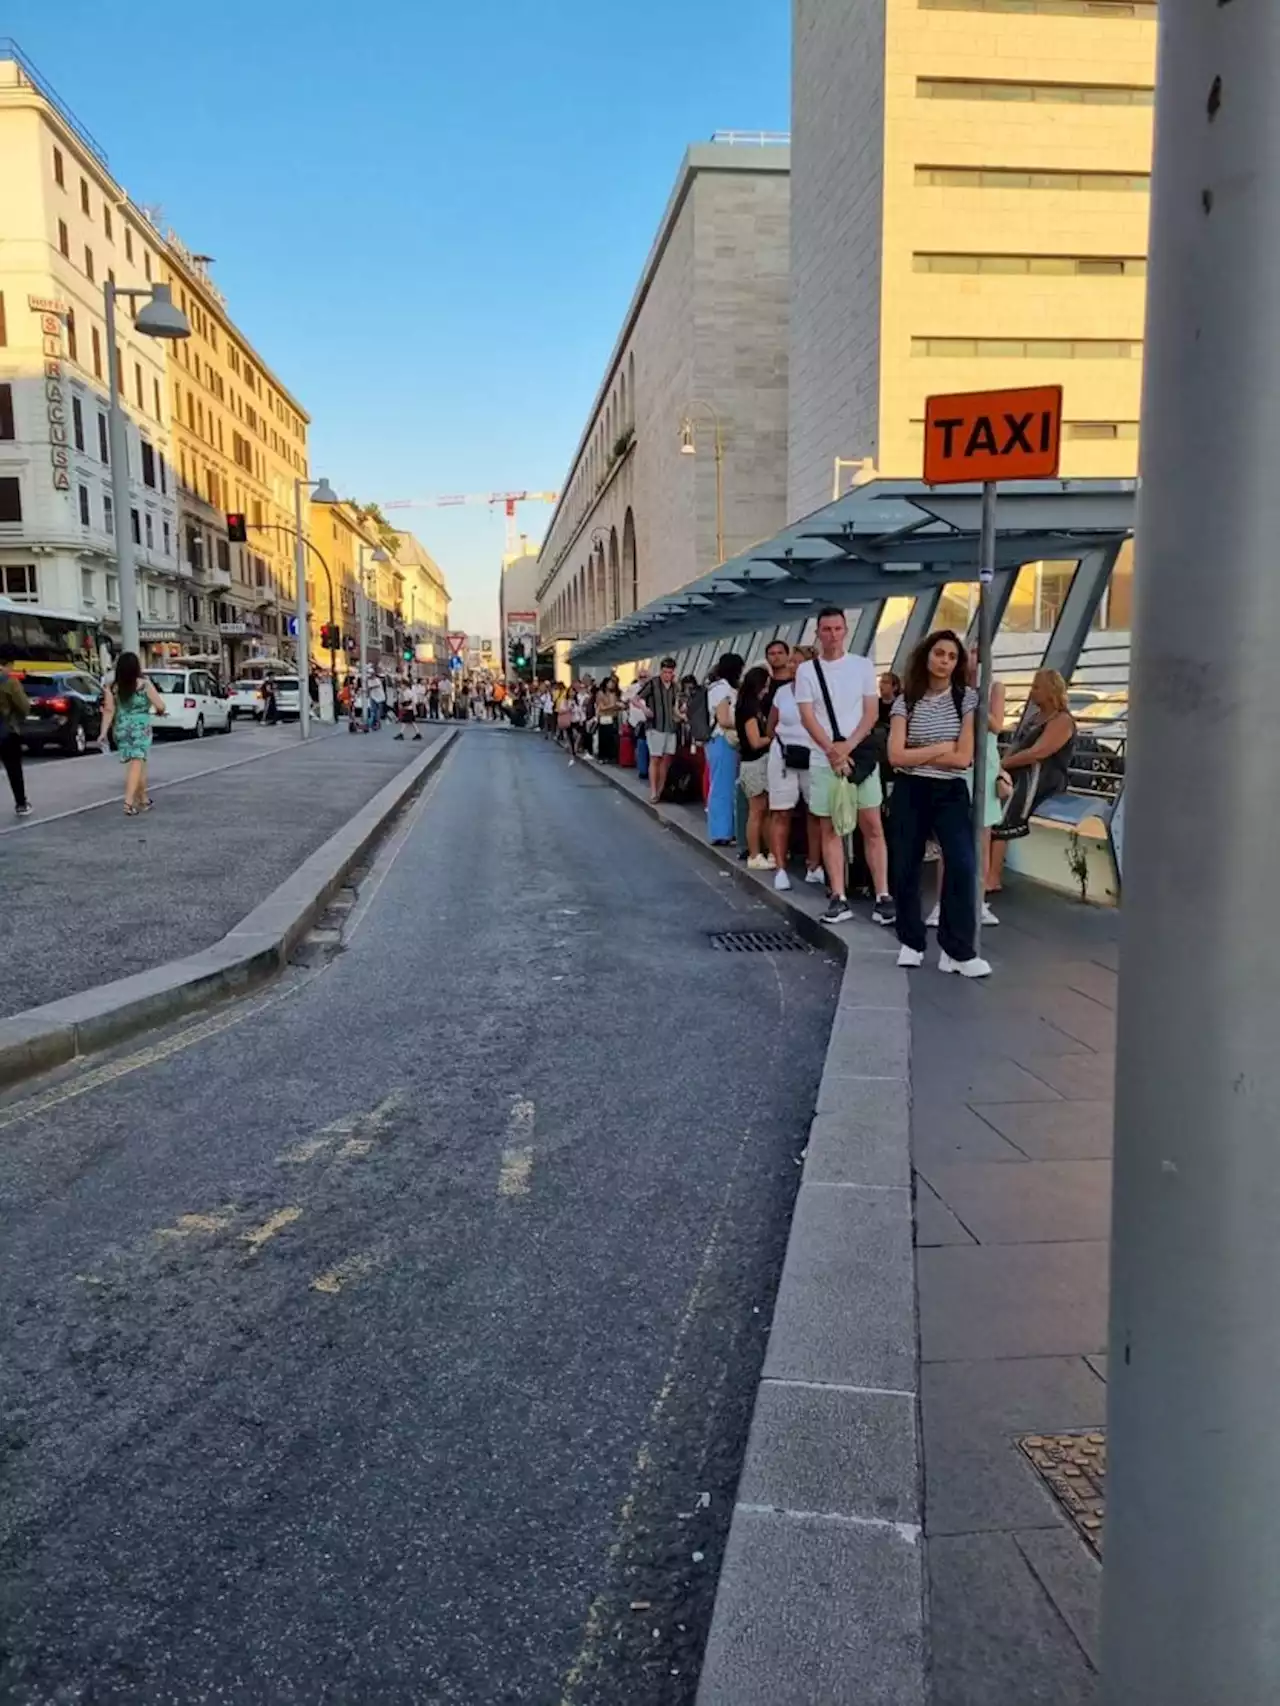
9	49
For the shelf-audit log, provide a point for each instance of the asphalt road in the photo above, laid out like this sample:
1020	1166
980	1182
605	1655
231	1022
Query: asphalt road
97	895
393	1337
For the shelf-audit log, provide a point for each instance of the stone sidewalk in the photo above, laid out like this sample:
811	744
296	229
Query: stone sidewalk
96	896
1011	1101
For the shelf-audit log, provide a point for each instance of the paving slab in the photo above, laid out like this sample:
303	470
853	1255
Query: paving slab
946	1070
935	1222
976	1479
1053	1131
1072	1577
865	1142
1039	1202
996	1638
945	1129
1012	1300
1079	1077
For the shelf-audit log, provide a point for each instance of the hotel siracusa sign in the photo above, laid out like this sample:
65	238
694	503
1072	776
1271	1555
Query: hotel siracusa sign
52	314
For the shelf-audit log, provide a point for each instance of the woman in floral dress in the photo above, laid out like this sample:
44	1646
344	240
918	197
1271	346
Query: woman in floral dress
128	705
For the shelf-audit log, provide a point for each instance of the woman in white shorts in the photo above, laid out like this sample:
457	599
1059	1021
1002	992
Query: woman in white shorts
788	775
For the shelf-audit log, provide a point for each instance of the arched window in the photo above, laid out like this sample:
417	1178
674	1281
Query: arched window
630	568
615	577
631	388
623	421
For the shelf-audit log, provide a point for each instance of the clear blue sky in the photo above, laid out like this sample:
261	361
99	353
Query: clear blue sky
428	217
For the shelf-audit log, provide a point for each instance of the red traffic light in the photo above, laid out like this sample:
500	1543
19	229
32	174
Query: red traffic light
237	532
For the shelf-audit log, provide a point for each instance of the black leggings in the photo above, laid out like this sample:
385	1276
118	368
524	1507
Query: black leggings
11	758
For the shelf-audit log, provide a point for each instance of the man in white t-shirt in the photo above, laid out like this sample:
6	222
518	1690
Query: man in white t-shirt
855	698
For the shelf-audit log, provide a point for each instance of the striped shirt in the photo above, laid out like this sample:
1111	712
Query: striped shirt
934	719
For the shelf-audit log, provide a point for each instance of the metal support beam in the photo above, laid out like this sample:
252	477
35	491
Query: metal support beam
865	630
916	626
1079	608
1191	1615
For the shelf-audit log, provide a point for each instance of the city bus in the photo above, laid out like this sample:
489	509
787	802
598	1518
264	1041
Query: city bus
32	635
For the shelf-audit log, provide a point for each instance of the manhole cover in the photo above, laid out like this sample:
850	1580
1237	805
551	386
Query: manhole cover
1074	1468
759	942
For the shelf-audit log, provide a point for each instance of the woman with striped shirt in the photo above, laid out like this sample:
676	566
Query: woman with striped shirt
930	748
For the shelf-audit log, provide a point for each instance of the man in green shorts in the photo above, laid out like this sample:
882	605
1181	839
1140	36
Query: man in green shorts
839	682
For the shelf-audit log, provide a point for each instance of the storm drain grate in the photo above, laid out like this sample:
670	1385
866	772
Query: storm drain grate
1074	1468
759	942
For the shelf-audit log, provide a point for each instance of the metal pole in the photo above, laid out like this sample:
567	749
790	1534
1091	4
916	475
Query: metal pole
364	638
304	649
981	721
719	494
122	520
1191	1615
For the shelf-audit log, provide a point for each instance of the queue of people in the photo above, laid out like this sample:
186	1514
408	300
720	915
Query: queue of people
813	752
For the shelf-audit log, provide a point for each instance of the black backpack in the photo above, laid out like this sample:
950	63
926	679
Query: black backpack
700	724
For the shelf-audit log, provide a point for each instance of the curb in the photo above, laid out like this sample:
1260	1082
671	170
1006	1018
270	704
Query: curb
257	948
822	1589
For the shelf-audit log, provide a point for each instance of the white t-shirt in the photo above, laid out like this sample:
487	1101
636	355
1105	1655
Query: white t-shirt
850	680
717	693
637	716
791	731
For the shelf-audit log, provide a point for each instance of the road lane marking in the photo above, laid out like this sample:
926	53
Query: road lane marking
333	1279
187	1225
515	1175
359	1131
274	1223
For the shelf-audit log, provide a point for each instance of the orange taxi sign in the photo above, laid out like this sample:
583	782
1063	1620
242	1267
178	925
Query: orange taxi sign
993	435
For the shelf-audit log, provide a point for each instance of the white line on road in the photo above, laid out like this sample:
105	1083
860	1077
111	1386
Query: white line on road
515	1176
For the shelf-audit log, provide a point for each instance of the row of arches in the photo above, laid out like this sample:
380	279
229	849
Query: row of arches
615	421
604	587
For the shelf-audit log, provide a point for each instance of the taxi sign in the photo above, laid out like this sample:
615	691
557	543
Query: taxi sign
993	435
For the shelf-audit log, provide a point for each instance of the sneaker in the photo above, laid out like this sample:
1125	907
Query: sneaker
572	762
23	811
782	882
884	911
758	862
839	911
988	917
770	861
966	968
909	958
816	877
935	918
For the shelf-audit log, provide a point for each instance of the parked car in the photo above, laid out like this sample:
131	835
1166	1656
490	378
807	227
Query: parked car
193	703
286	687
66	710
245	699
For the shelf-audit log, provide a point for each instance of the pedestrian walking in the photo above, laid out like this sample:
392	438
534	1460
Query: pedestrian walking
271	710
130	701
14	706
377	702
789	759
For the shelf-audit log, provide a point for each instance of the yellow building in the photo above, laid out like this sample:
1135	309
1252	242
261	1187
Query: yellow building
970	188
240	441
346	543
425	606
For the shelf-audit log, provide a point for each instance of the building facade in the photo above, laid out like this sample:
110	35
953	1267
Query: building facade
424	606
68	228
969	211
210	429
240	440
704	341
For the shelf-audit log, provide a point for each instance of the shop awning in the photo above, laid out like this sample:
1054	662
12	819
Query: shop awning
884	539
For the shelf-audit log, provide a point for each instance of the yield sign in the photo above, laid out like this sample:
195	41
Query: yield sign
457	644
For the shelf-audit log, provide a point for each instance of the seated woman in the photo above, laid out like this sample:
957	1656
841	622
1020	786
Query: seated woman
1037	760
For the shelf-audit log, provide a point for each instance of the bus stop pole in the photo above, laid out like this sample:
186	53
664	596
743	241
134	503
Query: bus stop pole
1191	1607
981	721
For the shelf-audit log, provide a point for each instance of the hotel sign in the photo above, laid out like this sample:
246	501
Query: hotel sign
55	401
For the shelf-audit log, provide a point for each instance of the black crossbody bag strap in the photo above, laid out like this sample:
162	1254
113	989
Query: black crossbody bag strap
826	697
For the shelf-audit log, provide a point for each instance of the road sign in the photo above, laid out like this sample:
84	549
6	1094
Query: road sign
993	435
457	644
455	662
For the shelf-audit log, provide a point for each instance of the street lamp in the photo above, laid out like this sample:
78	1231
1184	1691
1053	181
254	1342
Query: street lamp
157	318
689	447
321	493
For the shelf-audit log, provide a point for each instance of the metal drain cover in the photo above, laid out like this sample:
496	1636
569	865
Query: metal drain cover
1074	1468
759	942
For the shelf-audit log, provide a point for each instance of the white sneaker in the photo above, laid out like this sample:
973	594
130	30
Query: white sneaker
782	882
966	968
988	917
909	958
935	918
758	862
817	878
770	861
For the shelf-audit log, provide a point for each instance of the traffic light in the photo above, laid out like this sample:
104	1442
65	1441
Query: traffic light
330	637
519	654
237	532
407	654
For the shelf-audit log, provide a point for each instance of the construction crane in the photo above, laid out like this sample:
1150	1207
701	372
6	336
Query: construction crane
508	500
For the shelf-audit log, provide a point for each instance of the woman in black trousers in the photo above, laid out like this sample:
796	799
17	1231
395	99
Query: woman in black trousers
931	749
